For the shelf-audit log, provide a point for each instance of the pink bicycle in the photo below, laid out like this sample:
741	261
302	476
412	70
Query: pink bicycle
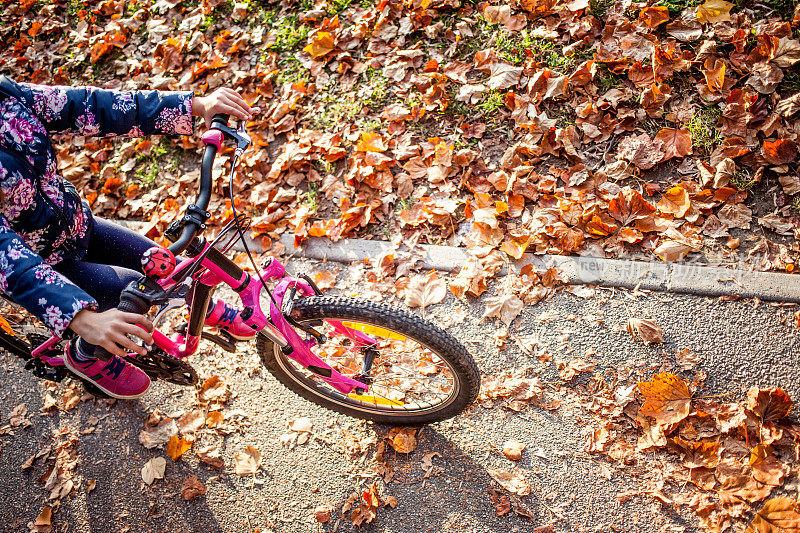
360	358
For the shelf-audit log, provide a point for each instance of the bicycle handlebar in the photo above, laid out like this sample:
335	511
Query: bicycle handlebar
191	229
129	302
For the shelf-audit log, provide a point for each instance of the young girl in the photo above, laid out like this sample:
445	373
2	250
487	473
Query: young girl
59	262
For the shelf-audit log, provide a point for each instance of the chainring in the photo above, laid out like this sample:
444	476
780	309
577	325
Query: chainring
159	365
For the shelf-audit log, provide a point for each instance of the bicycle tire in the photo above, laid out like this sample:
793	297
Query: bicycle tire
466	377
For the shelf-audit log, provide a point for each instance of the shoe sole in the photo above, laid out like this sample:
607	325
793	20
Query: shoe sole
96	384
237	337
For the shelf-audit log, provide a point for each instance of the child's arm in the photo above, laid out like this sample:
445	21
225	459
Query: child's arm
34	285
93	111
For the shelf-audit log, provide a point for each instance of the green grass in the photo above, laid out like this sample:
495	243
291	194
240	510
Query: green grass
292	71
742	180
607	80
703	128
598	8
790	83
156	162
492	102
311	196
289	34
335	110
376	90
676	6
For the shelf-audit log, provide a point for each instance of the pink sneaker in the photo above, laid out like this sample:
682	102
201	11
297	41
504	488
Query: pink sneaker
117	377
229	318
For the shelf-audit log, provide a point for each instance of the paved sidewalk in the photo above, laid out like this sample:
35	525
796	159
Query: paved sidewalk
739	344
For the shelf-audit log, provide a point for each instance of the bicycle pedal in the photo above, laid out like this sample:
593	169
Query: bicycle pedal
224	340
42	370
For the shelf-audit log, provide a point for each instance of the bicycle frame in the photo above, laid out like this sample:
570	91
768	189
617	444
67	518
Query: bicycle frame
208	268
217	269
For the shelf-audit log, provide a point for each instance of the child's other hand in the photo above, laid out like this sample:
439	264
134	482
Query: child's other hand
222	100
110	329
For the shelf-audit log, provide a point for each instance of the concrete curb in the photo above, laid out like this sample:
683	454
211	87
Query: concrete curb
583	270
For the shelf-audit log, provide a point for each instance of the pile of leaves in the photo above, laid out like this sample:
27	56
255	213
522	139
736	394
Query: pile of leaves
660	129
721	460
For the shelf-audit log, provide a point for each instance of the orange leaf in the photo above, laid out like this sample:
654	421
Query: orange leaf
596	226
675	202
777	515
653	16
177	446
321	44
666	398
629	206
677	142
714	11
779	152
714	71
699	454
768	404
371	142
34	29
5	326
515	245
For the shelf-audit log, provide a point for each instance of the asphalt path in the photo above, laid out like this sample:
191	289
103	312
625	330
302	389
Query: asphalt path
738	343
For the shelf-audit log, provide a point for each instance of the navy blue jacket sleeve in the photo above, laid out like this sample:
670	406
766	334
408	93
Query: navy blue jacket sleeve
96	112
34	285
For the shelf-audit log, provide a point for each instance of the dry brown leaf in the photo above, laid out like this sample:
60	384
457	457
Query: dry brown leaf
645	330
403	440
769	405
505	306
423	291
154	469
177	446
192	488
512	449
779	515
714	11
247	462
514	482
666	398
210	455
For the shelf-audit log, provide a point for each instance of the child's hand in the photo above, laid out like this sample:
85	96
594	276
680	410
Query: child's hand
110	329
222	100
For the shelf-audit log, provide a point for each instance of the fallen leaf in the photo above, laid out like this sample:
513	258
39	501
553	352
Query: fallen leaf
512	449
666	398
177	446
423	291
714	11
769	405
779	515
403	440
192	488
247	462
645	330
514	482
154	469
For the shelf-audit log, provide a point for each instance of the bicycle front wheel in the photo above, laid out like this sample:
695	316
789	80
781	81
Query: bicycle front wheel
418	373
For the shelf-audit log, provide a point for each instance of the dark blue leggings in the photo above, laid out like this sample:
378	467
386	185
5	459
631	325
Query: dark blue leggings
112	261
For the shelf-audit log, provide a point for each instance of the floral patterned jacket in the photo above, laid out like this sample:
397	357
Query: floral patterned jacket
43	219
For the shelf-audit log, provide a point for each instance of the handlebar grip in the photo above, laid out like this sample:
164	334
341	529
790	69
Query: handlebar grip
129	303
222	118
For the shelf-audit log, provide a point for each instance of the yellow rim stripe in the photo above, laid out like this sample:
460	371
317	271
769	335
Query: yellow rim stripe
374	330
374	399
